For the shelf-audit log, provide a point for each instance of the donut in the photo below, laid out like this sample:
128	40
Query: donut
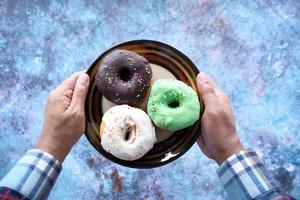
173	105
124	77
127	132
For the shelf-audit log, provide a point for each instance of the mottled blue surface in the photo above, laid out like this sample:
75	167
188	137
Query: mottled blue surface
251	47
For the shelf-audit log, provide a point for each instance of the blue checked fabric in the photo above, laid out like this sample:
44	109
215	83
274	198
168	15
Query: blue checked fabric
34	175
245	177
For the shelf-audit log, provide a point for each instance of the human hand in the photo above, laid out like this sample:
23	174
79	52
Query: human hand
218	139
64	116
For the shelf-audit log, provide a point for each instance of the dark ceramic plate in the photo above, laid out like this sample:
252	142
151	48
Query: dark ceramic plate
179	142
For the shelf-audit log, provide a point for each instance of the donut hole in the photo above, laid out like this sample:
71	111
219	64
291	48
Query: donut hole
128	134
129	131
174	104
124	74
173	99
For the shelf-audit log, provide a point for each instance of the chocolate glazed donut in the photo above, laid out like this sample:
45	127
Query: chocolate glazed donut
124	77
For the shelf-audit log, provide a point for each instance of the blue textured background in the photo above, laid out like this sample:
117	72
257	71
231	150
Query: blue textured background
251	47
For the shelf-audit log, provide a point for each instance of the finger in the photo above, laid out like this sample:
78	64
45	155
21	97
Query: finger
69	83
207	90
80	91
211	81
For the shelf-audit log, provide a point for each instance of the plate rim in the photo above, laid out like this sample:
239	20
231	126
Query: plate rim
195	138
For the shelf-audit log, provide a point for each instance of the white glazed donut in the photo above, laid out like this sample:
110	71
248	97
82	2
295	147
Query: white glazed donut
127	132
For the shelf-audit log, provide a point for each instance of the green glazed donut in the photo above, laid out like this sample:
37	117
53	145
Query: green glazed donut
173	105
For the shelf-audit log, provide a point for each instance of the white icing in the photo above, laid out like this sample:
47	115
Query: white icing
113	136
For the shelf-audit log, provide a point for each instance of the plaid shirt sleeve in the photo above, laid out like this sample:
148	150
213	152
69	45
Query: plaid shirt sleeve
33	176
9	194
244	176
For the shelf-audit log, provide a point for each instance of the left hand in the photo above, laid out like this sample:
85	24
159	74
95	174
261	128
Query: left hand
64	116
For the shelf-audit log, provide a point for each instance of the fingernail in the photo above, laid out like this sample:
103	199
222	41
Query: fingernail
84	79
200	77
204	75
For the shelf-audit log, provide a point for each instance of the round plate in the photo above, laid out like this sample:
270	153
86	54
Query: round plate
179	142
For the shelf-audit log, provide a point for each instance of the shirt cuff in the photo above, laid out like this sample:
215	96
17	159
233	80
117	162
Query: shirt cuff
244	176
34	175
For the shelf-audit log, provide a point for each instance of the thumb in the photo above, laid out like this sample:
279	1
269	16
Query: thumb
80	91
207	89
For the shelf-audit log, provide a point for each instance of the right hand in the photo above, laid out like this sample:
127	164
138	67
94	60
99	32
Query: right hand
218	139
